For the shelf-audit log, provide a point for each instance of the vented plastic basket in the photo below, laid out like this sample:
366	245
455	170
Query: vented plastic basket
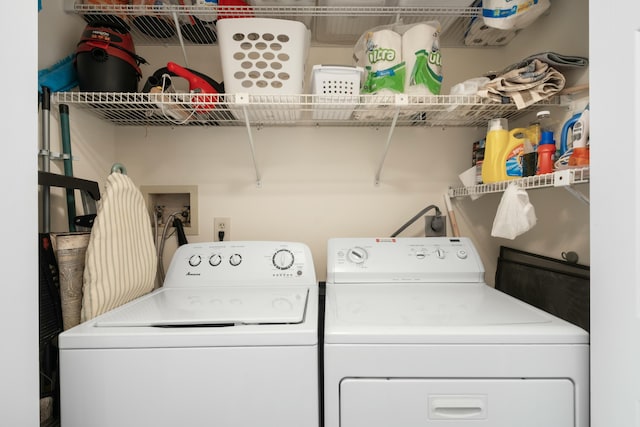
263	56
337	90
283	3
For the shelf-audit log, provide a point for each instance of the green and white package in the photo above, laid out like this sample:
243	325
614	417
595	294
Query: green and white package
381	56
421	53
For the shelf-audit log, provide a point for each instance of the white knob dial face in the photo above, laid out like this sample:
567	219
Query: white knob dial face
235	260
357	255
283	259
195	260
215	260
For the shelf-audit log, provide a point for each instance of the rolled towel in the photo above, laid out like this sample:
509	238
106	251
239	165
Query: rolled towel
556	60
526	85
421	53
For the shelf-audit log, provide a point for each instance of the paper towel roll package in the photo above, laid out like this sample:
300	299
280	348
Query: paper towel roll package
421	53
382	61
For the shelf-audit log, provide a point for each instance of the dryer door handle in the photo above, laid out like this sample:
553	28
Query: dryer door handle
463	407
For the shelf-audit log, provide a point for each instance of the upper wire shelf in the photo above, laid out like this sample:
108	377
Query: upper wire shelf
171	109
195	25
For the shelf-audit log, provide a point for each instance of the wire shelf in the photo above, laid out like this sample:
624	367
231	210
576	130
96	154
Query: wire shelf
171	109
559	178
195	25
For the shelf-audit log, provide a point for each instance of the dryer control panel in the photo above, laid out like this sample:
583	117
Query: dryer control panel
241	263
403	260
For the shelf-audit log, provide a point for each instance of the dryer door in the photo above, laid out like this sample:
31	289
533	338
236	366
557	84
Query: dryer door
519	402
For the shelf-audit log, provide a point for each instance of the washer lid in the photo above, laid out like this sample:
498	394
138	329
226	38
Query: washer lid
438	313
220	306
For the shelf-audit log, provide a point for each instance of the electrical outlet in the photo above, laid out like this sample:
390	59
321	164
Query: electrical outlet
220	226
429	227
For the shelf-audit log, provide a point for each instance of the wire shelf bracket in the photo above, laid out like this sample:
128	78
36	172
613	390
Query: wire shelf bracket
400	100
242	99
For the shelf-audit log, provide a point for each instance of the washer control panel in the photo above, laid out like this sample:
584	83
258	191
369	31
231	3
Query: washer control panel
239	263
403	260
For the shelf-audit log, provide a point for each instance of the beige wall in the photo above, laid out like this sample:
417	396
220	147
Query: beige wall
319	182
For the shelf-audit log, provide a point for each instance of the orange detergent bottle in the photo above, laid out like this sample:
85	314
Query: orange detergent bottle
546	151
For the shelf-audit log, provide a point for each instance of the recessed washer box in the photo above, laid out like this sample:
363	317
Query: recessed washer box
163	200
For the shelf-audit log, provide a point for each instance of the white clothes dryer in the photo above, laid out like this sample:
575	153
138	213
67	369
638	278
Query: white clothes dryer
231	339
414	337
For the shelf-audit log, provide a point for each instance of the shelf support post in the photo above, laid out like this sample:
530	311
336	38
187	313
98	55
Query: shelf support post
400	99
243	100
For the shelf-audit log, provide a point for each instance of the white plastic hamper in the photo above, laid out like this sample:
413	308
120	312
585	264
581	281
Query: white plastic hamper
304	18
263	56
336	89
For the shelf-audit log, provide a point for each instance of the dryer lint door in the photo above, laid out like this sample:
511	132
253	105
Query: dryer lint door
377	402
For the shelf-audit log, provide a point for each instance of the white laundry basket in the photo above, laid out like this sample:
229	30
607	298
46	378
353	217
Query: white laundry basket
306	18
336	89
263	56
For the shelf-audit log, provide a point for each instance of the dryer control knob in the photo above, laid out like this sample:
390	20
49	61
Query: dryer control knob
441	253
235	260
195	260
283	259
462	254
357	255
215	260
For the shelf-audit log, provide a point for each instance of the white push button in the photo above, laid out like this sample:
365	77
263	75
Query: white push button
462	254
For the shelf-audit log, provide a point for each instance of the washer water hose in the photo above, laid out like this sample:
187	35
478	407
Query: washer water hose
160	240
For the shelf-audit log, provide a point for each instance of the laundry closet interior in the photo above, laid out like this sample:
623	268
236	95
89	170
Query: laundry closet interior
309	179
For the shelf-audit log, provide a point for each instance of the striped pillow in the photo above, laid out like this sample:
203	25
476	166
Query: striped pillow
121	258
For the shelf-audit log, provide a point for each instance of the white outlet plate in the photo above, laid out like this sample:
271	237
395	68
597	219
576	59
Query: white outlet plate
221	224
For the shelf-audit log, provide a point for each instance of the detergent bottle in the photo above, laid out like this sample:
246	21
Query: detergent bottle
580	152
503	152
546	152
541	123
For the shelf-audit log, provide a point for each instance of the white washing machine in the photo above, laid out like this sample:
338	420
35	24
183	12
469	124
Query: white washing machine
231	339
414	337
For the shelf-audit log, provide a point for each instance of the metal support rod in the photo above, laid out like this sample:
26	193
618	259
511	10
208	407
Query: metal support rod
584	199
44	167
388	144
176	22
251	145
400	99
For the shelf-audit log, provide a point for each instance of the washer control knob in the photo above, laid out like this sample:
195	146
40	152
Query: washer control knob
235	260
283	259
195	260
215	260
440	253
421	255
462	254
357	255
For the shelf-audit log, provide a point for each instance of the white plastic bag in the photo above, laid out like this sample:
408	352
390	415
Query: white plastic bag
515	215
